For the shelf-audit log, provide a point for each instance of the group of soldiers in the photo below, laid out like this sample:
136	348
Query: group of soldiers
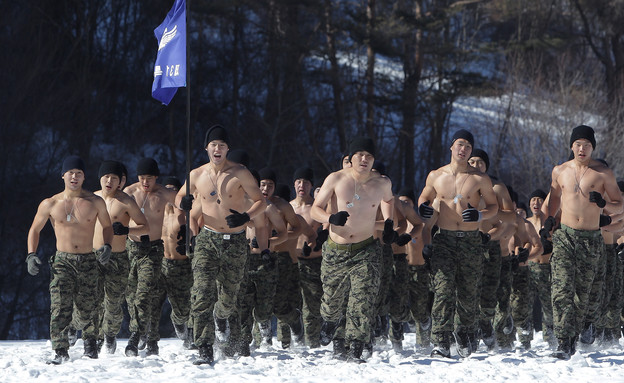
348	263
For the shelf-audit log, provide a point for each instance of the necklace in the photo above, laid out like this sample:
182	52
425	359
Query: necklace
143	205
458	196
356	196
69	215
577	187
214	192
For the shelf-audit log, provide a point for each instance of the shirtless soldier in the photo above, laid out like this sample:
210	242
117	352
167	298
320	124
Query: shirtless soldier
146	253
454	191
221	246
351	257
73	214
577	187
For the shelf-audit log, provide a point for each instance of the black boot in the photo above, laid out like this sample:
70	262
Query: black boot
563	349
442	348
90	348
110	343
340	350
152	348
132	349
588	335
355	352
464	347
328	330
205	355
60	356
487	333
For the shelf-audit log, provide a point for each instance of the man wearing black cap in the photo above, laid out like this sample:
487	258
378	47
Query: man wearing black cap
351	257
73	214
576	189
539	267
455	191
113	277
309	252
146	252
230	198
491	231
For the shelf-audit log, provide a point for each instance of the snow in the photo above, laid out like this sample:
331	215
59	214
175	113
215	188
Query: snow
24	361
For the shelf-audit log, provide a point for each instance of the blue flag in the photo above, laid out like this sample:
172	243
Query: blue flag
170	66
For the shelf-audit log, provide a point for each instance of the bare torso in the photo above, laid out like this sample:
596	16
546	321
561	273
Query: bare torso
152	205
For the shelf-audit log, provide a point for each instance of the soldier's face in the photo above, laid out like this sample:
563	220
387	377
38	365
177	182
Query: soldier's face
267	187
109	182
582	149
346	162
362	161
536	204
217	151
477	162
73	178
147	182
461	149
302	187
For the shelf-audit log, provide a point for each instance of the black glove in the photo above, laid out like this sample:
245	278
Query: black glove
548	226
471	214
523	255
485	237
427	253
33	263
268	262
321	237
186	203
307	250
515	263
339	219
547	245
604	220
620	251
120	229
254	243
403	239
596	198
104	254
389	235
236	219
181	244
425	211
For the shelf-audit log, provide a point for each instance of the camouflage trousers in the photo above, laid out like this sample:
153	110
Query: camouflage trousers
218	270
490	280
398	298
386	271
616	301
521	301
540	284
287	302
503	308
610	269
598	294
312	293
141	294
176	280
420	299
74	282
456	267
575	258
257	296
112	282
351	273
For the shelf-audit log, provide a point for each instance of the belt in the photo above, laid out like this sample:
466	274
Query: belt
349	246
225	235
581	233
459	233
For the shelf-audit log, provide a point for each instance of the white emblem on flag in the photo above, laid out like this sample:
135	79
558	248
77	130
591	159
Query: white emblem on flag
157	71
167	36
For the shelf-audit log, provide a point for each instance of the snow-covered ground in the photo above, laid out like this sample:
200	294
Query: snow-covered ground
24	361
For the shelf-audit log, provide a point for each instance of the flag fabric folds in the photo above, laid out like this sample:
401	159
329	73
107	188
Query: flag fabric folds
170	66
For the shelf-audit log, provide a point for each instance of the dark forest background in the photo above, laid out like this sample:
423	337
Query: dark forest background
294	81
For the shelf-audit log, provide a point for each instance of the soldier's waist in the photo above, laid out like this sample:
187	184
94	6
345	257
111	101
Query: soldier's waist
459	233
349	246
581	233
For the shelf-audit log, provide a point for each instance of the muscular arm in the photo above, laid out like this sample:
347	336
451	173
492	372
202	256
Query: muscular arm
429	192
489	197
142	227
104	220
318	210
506	211
249	185
387	202
278	224
553	200
534	239
43	213
614	204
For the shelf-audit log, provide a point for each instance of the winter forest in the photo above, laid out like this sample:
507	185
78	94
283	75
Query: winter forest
294	81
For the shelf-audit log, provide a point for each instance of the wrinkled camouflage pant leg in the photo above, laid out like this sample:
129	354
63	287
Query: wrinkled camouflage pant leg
540	284
286	296
521	304
490	280
398	297
386	271
610	258
74	281
616	303
574	260
312	292
115	280
420	300
148	264
503	308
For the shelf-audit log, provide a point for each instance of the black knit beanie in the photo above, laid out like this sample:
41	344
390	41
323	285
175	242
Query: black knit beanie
216	132
147	166
483	155
583	131
362	144
466	135
111	167
305	173
72	162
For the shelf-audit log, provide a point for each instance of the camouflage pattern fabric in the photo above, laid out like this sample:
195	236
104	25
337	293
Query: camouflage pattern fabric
398	297
287	302
351	274
218	270
540	283
490	280
521	301
456	268
386	271
503	308
575	258
176	280
420	299
141	294
74	282
610	269
312	293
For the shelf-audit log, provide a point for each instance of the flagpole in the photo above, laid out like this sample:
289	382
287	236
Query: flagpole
188	123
